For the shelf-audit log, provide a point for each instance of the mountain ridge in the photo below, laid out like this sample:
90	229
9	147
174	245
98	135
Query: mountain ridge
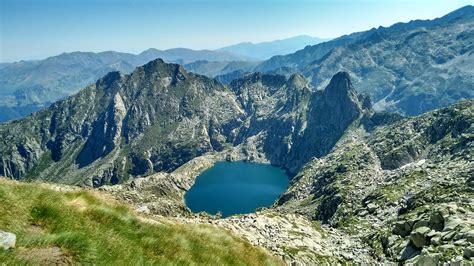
265	50
189	116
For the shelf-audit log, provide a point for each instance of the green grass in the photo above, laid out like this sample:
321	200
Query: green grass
91	228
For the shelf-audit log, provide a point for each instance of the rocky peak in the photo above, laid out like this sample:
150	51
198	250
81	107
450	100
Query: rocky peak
110	80
159	68
268	80
339	87
297	81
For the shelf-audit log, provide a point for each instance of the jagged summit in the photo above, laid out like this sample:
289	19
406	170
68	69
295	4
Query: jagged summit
139	126
340	90
340	83
160	68
298	81
273	80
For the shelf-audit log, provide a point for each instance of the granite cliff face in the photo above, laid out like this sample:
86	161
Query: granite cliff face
288	117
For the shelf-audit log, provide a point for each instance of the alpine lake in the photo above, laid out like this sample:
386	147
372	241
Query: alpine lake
236	188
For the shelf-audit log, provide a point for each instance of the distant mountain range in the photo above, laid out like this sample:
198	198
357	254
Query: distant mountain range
265	50
27	86
409	67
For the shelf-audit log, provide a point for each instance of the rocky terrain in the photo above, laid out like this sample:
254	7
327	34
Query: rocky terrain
154	119
427	61
401	192
160	116
366	186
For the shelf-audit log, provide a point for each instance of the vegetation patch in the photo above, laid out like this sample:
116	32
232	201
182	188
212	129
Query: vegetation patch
83	227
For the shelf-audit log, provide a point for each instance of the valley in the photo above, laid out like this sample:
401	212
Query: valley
355	150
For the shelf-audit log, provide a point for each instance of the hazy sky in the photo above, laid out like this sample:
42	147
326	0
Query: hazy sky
35	29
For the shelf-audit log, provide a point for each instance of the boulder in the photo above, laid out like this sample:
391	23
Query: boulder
468	252
407	253
451	223
419	236
144	209
402	228
448	235
446	247
372	207
421	223
436	221
428	259
469	236
7	240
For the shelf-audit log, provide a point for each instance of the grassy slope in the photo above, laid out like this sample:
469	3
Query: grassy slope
90	228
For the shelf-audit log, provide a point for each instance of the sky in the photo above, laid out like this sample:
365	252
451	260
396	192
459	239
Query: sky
36	29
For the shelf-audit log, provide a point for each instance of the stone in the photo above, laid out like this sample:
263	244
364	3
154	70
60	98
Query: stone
372	207
469	236
392	239
460	242
418	236
7	240
421	223
407	253
448	235
433	233
451	223
144	209
446	247
436	221
428	259
468	252
435	240
402	228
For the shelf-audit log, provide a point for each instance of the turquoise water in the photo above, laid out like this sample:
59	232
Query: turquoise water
236	188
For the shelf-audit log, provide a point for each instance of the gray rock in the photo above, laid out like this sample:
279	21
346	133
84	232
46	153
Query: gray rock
402	228
428	259
448	235
7	240
407	253
468	252
436	221
418	236
372	207
421	223
451	223
435	240
144	209
446	247
469	236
